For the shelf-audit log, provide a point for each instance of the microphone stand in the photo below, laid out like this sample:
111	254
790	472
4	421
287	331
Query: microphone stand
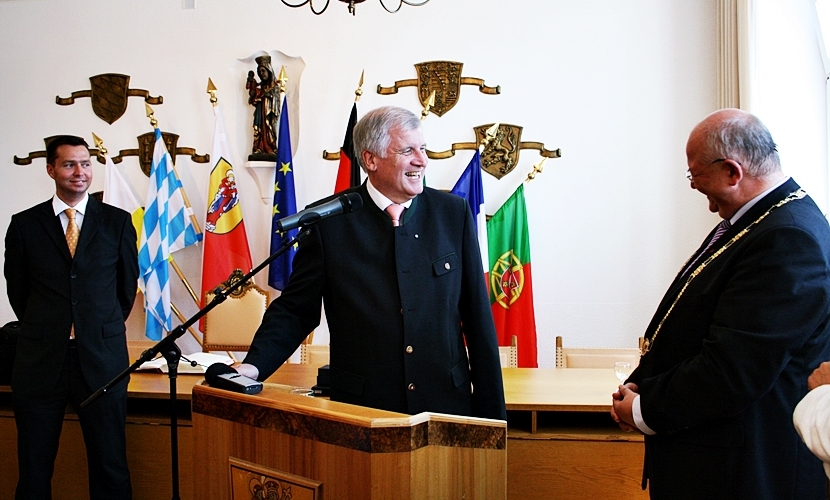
171	352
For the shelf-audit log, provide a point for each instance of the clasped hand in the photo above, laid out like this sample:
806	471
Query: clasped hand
621	406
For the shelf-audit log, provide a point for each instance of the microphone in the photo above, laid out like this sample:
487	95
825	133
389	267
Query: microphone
222	376
343	204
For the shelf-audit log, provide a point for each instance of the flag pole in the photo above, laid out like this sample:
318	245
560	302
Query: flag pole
359	91
489	135
537	169
182	319
176	268
99	143
429	104
283	79
214	101
211	89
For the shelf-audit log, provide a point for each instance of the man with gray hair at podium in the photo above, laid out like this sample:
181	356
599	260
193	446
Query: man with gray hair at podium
402	284
728	352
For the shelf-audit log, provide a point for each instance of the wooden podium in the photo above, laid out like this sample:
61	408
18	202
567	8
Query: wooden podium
293	446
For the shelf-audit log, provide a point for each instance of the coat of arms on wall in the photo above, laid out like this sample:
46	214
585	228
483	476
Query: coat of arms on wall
501	148
109	93
442	77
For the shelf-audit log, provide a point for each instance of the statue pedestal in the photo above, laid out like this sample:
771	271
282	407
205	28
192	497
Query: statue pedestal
264	174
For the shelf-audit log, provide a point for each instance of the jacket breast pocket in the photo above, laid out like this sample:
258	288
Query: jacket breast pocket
446	264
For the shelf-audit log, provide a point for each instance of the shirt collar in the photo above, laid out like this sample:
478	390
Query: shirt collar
59	206
744	209
380	199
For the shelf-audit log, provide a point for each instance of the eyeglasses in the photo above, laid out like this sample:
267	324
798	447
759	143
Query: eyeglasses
691	176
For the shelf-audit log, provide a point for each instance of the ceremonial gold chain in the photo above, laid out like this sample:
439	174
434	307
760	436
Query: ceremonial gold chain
796	195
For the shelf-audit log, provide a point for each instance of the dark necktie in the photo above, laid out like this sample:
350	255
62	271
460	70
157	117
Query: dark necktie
722	228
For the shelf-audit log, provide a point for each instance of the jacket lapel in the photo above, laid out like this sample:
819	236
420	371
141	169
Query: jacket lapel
92	221
751	215
51	224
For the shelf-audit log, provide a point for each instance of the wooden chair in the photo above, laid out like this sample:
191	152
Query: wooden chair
509	355
231	325
594	357
314	354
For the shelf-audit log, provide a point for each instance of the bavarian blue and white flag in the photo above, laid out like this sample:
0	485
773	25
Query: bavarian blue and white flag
167	228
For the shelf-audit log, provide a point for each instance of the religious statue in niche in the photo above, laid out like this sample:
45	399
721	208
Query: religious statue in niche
264	97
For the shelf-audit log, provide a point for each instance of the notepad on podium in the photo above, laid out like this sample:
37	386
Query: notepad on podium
202	361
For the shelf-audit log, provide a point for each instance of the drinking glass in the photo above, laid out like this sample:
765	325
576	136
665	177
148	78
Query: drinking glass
622	370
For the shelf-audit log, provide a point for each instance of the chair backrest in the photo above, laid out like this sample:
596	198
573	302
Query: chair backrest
509	355
314	354
231	325
594	357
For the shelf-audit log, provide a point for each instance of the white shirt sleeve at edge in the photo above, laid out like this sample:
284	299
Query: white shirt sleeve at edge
638	417
812	421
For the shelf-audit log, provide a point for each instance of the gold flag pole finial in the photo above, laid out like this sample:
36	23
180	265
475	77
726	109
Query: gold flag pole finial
359	91
537	169
152	118
283	79
211	89
489	135
99	143
429	104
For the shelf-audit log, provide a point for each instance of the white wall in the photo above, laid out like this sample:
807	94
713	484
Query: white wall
791	92
617	85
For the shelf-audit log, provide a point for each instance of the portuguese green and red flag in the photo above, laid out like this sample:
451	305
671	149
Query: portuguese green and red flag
511	291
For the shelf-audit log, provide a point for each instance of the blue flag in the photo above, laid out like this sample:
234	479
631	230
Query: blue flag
470	187
285	204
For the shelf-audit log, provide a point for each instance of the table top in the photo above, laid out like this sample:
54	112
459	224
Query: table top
546	389
559	389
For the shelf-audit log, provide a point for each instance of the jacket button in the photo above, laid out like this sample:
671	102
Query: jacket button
416	236
447	266
409	349
411	387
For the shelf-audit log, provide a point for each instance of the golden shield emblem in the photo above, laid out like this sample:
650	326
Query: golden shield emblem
507	279
444	77
109	96
501	155
146	144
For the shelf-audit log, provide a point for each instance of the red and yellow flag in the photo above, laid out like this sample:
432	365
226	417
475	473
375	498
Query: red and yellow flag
226	242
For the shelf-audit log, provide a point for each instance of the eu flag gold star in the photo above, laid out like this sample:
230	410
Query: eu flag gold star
286	167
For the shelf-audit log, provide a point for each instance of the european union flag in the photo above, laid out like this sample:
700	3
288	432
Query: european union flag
285	204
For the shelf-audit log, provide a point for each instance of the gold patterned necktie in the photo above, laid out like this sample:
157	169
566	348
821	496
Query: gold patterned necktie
72	231
394	210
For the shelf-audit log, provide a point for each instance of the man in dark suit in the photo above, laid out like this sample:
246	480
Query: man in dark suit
729	350
403	293
71	273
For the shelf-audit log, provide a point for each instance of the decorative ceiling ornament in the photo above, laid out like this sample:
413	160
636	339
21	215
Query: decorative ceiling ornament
109	93
352	4
444	79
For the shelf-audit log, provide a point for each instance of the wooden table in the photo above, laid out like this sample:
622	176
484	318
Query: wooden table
562	443
148	442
